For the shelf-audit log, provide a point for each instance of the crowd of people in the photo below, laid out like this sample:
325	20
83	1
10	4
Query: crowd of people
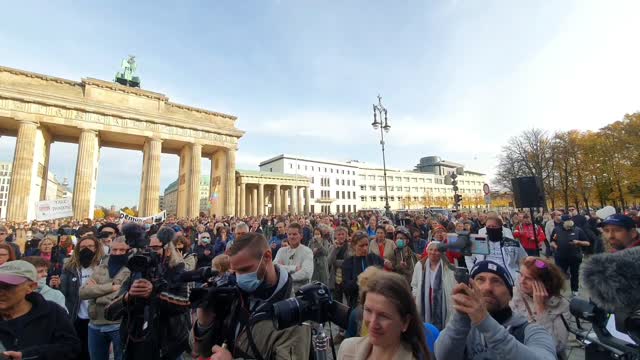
68	289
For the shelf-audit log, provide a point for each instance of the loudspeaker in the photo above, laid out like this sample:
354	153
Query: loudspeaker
528	192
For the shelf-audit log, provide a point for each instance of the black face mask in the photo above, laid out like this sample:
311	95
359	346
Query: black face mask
116	262
86	256
494	234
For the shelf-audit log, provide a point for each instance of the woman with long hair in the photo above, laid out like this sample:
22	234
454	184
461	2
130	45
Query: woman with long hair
432	285
75	274
538	296
395	331
360	260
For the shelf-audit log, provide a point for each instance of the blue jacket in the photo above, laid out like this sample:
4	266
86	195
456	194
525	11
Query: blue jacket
278	242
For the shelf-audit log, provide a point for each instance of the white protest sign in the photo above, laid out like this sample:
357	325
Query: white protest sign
157	218
54	209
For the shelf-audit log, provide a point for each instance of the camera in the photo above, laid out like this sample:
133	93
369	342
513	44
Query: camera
600	343
312	302
465	243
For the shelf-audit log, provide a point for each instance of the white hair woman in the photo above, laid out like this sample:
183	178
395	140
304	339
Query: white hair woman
432	285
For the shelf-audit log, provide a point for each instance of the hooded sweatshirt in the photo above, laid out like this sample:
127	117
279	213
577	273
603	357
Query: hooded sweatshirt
489	340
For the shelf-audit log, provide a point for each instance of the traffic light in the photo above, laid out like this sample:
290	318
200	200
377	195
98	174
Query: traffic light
457	199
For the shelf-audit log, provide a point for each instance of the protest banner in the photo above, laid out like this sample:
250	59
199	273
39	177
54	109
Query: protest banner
54	209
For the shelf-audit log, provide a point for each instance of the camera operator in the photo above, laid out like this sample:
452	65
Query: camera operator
154	312
483	325
260	281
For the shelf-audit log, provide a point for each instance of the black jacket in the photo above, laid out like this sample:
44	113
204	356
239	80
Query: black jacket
564	239
204	260
354	266
45	332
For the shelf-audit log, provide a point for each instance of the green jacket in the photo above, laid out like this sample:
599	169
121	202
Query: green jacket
102	294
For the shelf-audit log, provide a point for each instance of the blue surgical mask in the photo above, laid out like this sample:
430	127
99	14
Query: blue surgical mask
400	243
206	240
249	282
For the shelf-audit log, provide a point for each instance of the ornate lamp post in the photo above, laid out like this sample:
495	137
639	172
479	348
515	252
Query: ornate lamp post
380	110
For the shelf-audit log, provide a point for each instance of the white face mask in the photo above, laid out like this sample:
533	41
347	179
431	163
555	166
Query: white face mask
41	283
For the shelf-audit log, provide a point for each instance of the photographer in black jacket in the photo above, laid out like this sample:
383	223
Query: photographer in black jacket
260	282
153	307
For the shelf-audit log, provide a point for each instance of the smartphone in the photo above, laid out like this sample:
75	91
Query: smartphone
479	244
461	274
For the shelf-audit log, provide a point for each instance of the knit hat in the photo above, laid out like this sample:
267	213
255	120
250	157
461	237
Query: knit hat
494	268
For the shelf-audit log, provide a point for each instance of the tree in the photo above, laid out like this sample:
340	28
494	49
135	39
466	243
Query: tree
129	211
98	213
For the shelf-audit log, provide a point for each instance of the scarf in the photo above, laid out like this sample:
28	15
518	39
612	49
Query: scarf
434	308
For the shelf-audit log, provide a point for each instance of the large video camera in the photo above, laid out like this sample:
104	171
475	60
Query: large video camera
216	295
312	302
599	342
612	280
144	263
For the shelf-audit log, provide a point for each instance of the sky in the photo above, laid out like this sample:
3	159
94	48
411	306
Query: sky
458	77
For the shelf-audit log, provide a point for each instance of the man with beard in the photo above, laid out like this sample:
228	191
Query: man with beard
484	326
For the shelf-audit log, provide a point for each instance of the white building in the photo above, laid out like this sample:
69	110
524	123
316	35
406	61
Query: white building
55	189
169	201
338	187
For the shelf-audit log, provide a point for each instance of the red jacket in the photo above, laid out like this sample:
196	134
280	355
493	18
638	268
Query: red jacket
524	233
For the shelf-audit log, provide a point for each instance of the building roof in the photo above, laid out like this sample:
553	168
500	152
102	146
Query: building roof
257	173
306	158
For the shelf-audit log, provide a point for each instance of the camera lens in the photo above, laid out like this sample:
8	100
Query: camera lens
287	313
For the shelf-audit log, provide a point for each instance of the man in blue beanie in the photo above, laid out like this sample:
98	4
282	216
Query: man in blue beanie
484	326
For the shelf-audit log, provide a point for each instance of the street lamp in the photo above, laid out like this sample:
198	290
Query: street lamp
379	109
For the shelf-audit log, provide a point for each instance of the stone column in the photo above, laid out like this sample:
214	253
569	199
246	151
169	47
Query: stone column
21	173
307	201
44	176
243	199
254	202
300	196
294	200
143	178
150	204
230	195
260	200
85	178
285	201
194	181
277	202
218	183
183	182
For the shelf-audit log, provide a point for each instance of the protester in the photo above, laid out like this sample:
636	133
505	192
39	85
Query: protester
551	225
183	247
100	290
524	233
261	282
404	259
432	285
567	241
297	259
483	325
276	241
4	234
372	227
356	264
32	327
620	231
383	247
241	229
395	330
502	249
75	274
154	322
419	243
42	267
204	250
6	253
221	241
538	297
319	245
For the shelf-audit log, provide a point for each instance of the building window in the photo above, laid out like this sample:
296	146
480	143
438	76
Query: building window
363	198
373	198
290	166
342	182
298	166
313	209
337	209
372	177
332	171
337	194
349	195
398	188
407	189
349	208
380	178
372	187
312	194
429	181
354	194
380	188
363	177
391	198
390	188
343	194
325	169
389	178
313	168
363	187
270	169
337	182
354	208
348	182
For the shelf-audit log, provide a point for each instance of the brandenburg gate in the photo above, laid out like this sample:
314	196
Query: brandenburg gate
39	109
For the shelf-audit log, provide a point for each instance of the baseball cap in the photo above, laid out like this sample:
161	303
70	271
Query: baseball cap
620	220
18	271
